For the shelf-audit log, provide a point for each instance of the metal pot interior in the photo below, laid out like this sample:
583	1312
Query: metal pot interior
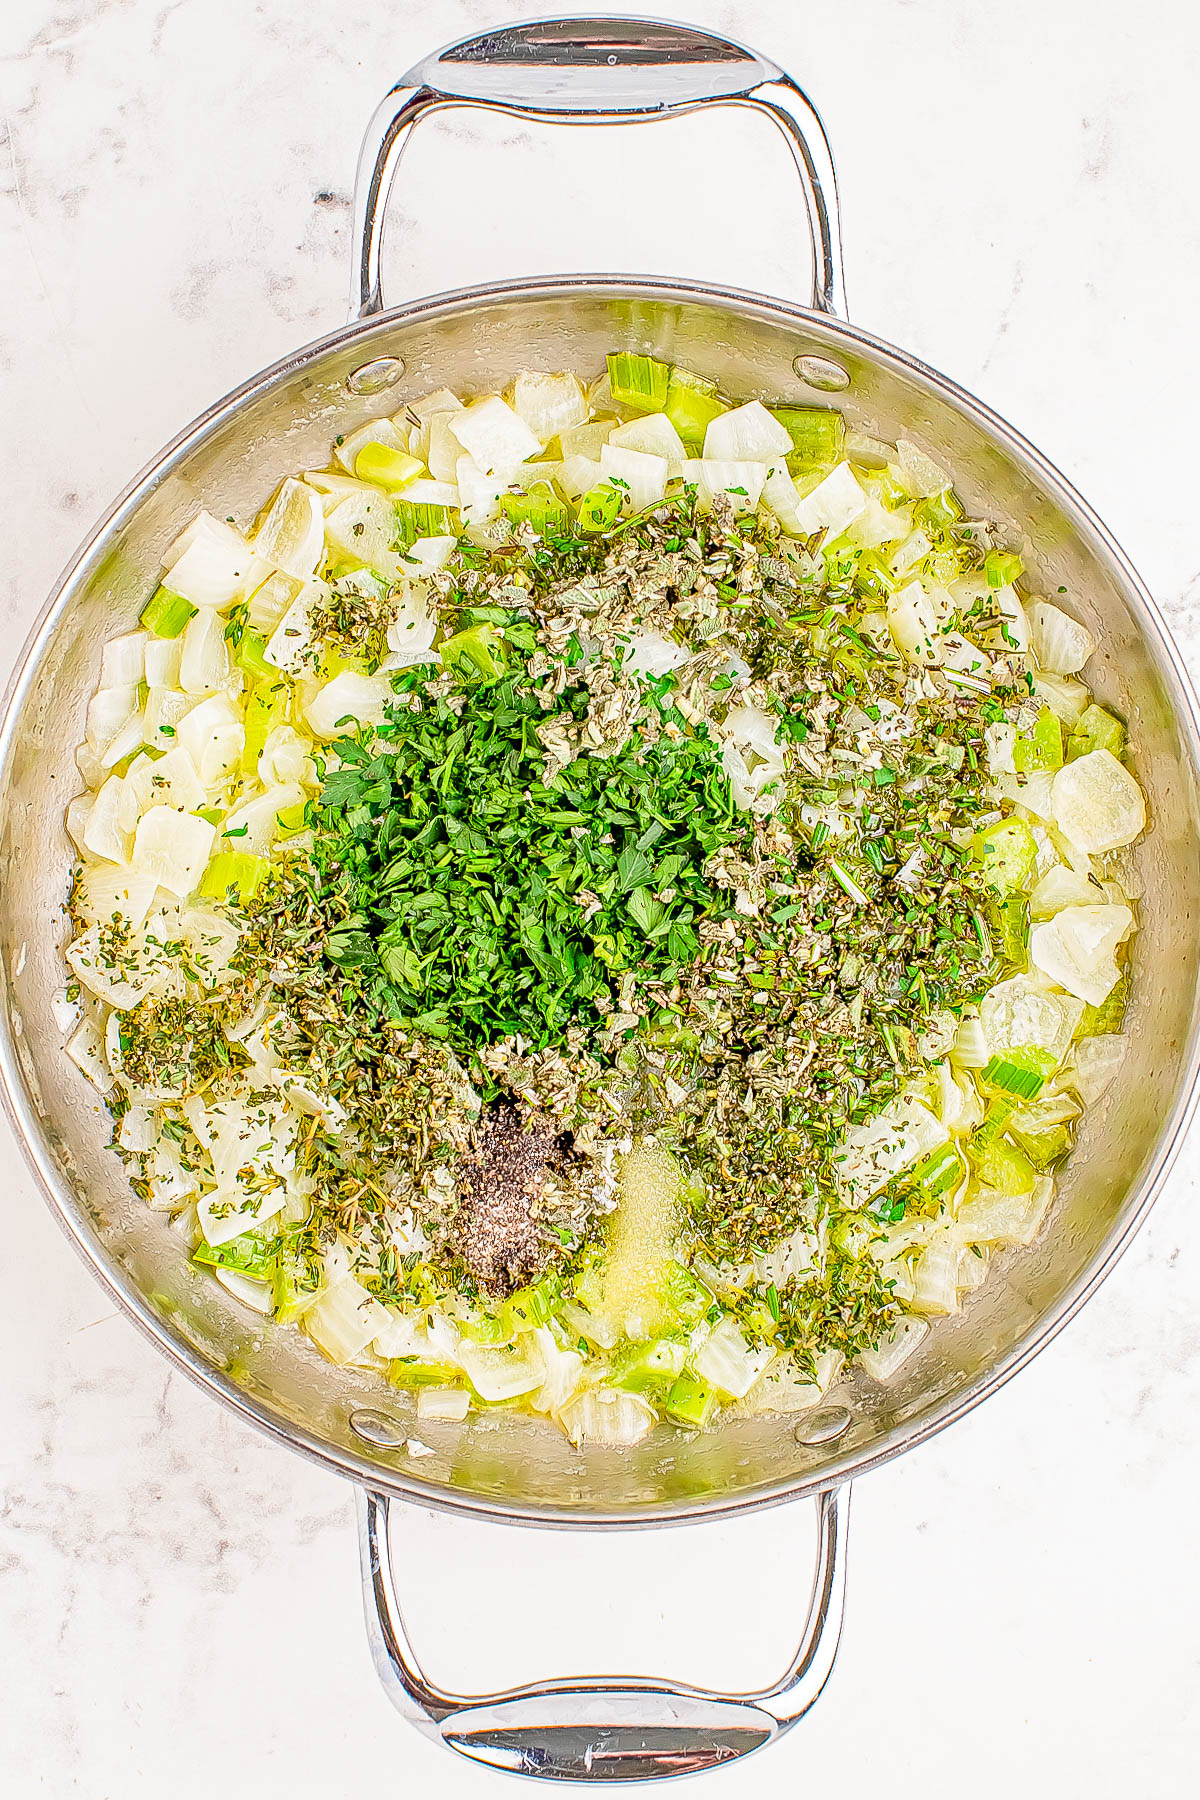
505	1462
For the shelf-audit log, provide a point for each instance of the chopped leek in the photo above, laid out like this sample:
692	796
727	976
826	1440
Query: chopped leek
412	1372
638	381
249	655
166	614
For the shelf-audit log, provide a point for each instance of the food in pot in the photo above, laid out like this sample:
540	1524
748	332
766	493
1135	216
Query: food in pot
602	900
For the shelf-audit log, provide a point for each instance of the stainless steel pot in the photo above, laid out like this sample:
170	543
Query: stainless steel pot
506	1466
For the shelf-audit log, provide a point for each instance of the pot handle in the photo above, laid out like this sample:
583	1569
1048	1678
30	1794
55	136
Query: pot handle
605	1728
588	72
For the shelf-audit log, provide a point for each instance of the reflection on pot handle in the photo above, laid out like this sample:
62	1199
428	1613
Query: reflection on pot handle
591	72
605	1728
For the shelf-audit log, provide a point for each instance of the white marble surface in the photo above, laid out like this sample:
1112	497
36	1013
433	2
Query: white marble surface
178	1599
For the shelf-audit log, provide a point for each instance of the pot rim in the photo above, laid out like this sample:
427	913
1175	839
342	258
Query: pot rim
400	1483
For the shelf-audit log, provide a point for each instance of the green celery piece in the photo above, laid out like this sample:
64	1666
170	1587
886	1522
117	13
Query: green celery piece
1002	1166
166	614
939	512
1109	1016
411	1372
598	508
817	434
423	518
290	1295
1043	1148
690	1401
248	1255
995	1122
939	1173
476	654
248	654
1042	748
291	819
386	466
484	1328
236	869
1001	568
686	1298
266	709
692	404
645	1367
540	507
1021	1072
1098	729
638	381
532	1306
1010	919
1007	851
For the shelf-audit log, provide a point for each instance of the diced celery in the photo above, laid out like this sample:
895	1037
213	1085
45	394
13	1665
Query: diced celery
938	512
873	577
292	1293
235	869
1045	1147
684	1297
941	1172
1020	1072
540	507
817	434
1001	568
638	381
1098	729
530	1307
412	1372
692	404
1008	851
598	508
995	1122
386	467
248	1255
477	654
249	655
1001	1166
1010	919
265	709
1109	1016
1042	748
166	614
423	519
642	1368
690	1401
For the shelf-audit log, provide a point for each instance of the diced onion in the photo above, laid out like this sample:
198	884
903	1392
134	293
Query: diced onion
746	434
641	476
211	564
291	534
174	847
884	1362
1075	949
495	437
548	404
1061	644
204	660
652	433
1097	803
607	1416
347	699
